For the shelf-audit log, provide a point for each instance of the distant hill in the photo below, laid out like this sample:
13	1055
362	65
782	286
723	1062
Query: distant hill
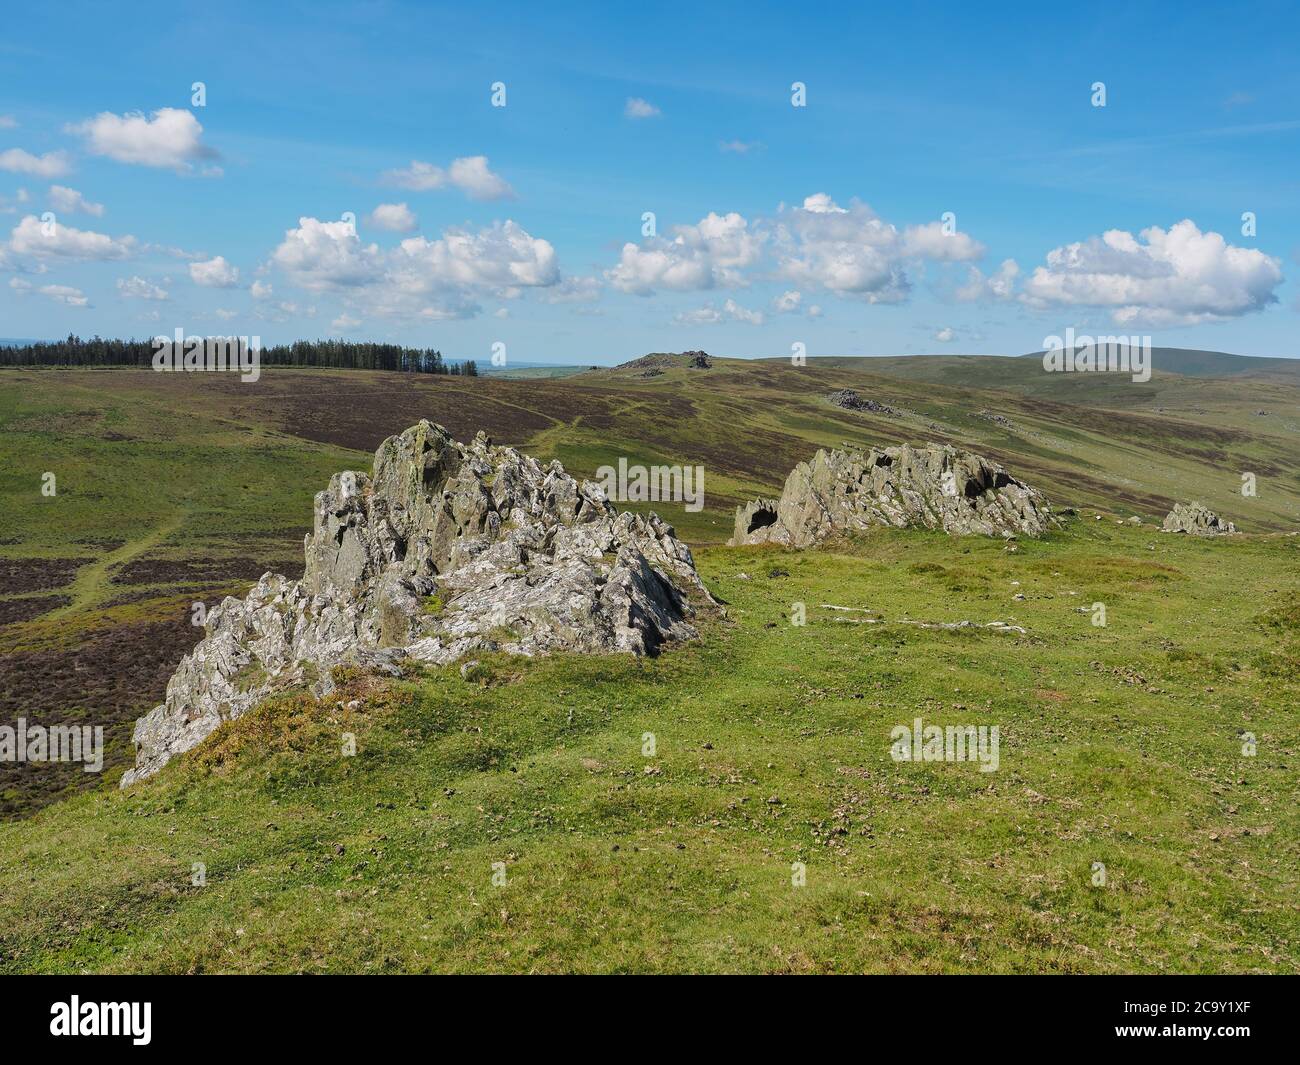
1192	362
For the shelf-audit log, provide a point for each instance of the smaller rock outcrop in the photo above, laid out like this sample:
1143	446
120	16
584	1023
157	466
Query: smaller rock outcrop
850	400
934	487
1196	519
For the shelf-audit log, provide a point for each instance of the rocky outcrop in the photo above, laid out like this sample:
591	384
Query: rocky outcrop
442	550
850	400
931	487
1196	519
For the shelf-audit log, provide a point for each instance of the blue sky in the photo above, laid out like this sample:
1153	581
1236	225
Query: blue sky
775	224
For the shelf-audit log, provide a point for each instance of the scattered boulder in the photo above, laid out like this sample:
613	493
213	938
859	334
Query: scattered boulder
1196	519
933	487
443	550
997	419
850	400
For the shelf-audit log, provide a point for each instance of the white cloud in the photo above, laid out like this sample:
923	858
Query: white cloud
945	335
429	279
708	254
171	138
738	147
139	288
730	311
70	201
1178	276
344	322
8	122
787	302
260	290
33	237
214	273
932	241
393	218
639	108
65	294
49	165
470	174
853	252
1001	285
846	250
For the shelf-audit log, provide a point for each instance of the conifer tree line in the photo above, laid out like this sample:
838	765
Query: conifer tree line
336	354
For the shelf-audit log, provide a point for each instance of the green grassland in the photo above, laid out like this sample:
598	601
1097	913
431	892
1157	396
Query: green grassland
1121	745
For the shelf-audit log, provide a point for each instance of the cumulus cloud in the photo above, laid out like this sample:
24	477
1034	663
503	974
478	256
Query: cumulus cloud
49	241
730	311
945	335
1000	285
711	253
214	273
1178	276
64	294
344	322
8	122
169	138
70	201
431	279
787	302
49	165
139	288
260	290
393	218
471	175
639	108
851	251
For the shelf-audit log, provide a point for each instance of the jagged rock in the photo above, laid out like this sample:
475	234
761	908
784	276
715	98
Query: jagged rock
932	487
1196	519
850	400
444	549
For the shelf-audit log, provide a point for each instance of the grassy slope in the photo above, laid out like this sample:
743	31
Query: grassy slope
1120	745
191	478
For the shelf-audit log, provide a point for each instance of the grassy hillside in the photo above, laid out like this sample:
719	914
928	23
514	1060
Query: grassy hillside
1120	745
179	488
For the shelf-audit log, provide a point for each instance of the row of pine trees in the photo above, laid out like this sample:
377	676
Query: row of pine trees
336	354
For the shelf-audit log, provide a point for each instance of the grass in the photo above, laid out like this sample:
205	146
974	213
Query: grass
1120	745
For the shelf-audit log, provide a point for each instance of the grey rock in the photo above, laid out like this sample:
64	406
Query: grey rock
1196	519
850	400
443	550
934	487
